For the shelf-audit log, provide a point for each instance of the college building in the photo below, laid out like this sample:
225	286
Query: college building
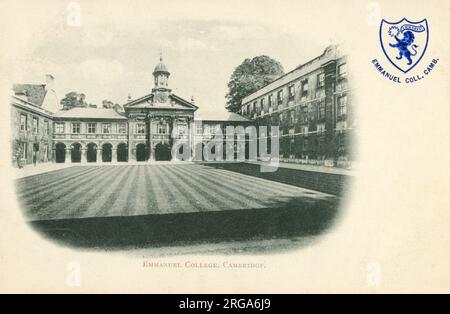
311	105
144	131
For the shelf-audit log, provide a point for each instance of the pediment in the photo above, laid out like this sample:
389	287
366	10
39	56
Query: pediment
154	101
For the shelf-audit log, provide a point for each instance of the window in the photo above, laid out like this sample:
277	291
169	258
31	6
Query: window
255	107
342	105
304	88
342	70
91	127
24	150
23	122
59	127
162	128
305	114
320	92
263	103
321	110
305	144
321	128
35	125
292	118
291	90
304	129
270	100
122	128
280	96
106	128
140	128
182	130
46	127
321	79
76	126
199	128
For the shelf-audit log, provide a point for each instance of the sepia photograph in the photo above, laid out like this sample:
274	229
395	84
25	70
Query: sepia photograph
135	145
224	147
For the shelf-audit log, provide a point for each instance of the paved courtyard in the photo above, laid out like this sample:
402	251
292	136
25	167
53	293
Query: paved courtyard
134	205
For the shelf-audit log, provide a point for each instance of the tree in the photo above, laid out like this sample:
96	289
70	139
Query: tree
111	105
249	76
17	152
74	99
107	104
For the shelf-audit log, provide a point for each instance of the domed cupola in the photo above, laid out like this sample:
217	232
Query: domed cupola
161	75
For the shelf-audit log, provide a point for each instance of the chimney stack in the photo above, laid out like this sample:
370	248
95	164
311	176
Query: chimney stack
49	82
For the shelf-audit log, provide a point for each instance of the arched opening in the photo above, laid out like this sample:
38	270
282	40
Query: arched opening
75	154
60	153
140	152
162	152
107	152
91	152
122	152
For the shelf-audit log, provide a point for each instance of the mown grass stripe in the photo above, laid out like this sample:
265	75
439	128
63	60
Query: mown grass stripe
215	195
93	205
174	204
120	205
157	194
56	202
140	195
220	186
193	201
40	200
263	184
26	189
133	195
82	195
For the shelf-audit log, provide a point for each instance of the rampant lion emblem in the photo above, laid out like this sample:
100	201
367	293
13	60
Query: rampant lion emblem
411	41
403	44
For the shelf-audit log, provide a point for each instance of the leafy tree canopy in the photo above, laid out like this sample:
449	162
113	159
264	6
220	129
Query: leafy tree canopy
73	99
249	76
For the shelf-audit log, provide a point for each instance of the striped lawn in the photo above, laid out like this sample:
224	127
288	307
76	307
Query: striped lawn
127	190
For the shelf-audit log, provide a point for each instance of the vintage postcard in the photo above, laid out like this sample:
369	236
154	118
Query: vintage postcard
225	146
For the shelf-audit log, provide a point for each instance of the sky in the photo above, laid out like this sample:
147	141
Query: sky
112	55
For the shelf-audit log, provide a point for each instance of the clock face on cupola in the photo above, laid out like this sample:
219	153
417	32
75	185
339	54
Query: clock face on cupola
161	90
161	96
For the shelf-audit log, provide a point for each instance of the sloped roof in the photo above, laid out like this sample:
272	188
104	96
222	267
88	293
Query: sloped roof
19	101
33	93
221	116
90	113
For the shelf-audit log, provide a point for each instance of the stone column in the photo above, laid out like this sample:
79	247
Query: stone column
151	152
132	153
83	155
191	130
99	155
130	141
53	154
114	155
68	158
